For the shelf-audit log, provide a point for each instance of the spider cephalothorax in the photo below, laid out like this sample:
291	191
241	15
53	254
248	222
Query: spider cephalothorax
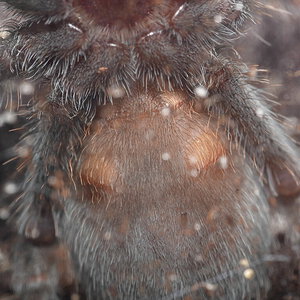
150	151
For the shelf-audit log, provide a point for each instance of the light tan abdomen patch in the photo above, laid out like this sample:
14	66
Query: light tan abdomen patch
130	147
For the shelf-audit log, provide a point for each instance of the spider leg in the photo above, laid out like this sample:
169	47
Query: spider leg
43	50
41	6
38	272
255	126
53	138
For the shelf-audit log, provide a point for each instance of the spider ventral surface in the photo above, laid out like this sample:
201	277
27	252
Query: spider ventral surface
150	155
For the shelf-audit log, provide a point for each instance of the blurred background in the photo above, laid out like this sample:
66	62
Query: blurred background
272	50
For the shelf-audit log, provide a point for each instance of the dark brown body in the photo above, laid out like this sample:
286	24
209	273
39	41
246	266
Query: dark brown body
161	216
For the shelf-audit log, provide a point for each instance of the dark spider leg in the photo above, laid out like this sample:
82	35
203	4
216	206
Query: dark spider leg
36	49
52	10
35	272
43	6
41	273
46	49
256	127
56	139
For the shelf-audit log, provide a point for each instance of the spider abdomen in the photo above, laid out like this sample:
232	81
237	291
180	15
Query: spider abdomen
166	212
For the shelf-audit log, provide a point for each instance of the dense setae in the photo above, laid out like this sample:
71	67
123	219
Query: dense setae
151	155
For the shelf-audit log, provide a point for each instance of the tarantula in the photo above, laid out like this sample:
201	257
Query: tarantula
152	155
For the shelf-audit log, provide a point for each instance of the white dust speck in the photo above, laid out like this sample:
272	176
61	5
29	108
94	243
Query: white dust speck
149	135
223	162
199	258
257	192
218	18
10	188
194	172
201	92
239	6
192	159
260	112
115	91
197	226
23	151
166	156
26	88
4	213
107	235
244	263
11	117
4	34
249	273
210	286
173	277
8	117
165	112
